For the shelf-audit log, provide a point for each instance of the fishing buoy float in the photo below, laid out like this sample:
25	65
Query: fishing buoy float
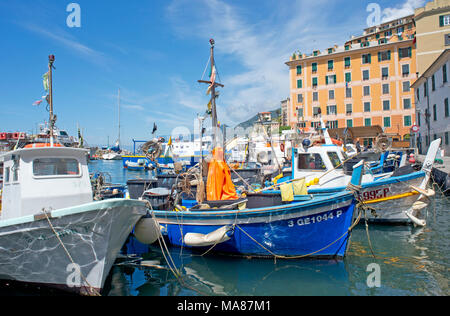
147	230
218	236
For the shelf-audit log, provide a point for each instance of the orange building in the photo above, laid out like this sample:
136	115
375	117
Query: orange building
365	82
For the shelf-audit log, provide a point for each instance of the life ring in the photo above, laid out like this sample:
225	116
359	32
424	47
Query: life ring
42	145
282	148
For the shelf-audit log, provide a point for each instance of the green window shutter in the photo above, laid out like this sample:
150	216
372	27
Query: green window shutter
379	56
334	77
314	81
314	67
299	70
370	58
389	54
326	80
299	84
441	21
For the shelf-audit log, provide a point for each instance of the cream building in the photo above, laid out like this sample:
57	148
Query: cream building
432	32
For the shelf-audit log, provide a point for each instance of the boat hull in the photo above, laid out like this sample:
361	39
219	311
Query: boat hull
92	234
389	198
314	229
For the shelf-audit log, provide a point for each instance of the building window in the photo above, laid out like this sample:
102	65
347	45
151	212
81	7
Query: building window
446	109
386	105
387	122
444	20
444	73
333	124
330	65
314	67
368	122
366	106
314	82
316	111
446	138
347	61
349	123
386	55
386	88
331	110
385	72
418	119
300	98
366	59
300	112
433	83
434	112
425	89
404	52
366	91
348	92
331	95
407	121
366	75
348	77
405	70
315	96
299	84
406	104
331	79
349	109
406	86
418	94
299	70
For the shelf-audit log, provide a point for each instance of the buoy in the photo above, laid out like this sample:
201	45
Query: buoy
147	230
218	236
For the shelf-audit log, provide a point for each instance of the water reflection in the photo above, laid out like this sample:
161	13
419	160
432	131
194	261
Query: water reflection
227	276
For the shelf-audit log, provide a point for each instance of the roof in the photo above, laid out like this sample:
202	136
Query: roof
356	132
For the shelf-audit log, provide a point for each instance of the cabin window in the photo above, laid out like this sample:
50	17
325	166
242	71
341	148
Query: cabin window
7	175
56	167
335	160
310	162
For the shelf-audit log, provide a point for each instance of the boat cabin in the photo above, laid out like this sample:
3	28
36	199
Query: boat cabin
44	178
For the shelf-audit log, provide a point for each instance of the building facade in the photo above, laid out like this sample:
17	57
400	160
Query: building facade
432	99
365	82
433	32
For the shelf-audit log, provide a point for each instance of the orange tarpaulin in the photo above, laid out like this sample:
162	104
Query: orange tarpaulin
219	186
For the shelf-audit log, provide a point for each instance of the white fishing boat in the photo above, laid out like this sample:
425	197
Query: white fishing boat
51	231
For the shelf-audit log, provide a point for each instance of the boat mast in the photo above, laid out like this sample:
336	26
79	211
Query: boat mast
213	86
51	60
119	118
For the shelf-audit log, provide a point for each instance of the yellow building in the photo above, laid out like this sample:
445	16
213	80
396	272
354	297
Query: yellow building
365	82
433	32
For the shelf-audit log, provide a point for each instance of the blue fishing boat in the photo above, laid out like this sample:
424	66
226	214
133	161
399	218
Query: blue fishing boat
262	225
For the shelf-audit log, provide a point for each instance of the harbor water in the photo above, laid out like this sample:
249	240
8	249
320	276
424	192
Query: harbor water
408	262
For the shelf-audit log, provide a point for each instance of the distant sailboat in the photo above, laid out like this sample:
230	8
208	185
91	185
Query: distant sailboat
114	152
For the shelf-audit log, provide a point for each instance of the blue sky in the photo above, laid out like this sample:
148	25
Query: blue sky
155	51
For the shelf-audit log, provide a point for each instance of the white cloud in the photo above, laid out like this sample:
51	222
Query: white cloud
65	39
261	48
405	9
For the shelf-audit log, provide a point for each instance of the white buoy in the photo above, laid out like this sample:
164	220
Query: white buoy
218	236
147	230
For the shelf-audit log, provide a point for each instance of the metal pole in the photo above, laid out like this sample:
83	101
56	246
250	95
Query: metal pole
51	60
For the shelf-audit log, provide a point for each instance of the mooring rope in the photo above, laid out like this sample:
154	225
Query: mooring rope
90	287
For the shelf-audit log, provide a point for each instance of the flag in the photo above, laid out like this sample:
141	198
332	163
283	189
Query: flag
45	81
36	103
170	142
155	128
212	79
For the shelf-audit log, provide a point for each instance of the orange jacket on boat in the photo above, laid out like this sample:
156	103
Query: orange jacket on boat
219	186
